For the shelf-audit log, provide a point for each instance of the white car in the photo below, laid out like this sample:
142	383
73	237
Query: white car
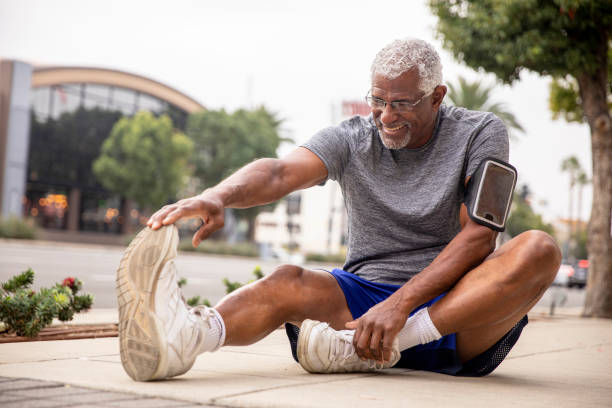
563	274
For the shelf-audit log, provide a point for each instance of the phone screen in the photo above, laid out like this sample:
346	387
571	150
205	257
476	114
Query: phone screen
495	193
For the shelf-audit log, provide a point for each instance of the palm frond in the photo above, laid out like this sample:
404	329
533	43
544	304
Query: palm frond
476	95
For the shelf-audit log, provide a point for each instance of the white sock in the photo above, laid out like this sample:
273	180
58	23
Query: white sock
214	336
419	329
218	327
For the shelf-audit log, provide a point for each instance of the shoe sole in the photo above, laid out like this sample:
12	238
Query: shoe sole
302	344
142	340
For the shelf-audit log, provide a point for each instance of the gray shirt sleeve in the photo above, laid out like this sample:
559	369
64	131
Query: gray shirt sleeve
490	141
333	146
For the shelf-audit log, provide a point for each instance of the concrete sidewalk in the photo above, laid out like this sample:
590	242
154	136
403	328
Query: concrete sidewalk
561	361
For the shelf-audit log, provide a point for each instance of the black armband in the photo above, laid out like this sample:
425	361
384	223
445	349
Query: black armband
489	193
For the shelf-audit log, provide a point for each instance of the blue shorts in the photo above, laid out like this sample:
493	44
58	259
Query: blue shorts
440	355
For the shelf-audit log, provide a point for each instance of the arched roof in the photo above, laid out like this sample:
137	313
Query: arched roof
48	76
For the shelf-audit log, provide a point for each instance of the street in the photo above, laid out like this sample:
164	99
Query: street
96	267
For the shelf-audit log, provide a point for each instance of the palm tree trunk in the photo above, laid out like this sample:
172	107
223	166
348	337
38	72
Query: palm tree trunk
571	215
579	209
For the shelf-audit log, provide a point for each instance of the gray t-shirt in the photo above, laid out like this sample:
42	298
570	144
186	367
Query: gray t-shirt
403	205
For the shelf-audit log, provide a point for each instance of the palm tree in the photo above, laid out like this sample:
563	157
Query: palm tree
477	96
581	180
572	166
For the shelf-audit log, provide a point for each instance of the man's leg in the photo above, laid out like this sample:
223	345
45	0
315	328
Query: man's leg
160	336
490	299
289	294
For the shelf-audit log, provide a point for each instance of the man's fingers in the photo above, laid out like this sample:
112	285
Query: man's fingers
198	237
351	325
155	221
357	337
375	345
204	232
363	344
387	347
174	215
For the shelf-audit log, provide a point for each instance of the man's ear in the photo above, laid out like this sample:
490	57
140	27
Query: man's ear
438	95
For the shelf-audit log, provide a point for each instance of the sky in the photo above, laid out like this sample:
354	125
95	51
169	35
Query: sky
298	59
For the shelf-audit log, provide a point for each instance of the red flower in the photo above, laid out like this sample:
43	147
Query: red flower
69	281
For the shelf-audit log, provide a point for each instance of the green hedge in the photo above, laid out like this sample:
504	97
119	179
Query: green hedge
333	258
221	248
15	227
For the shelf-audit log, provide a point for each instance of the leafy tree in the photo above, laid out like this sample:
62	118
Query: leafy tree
522	217
580	250
564	39
224	142
477	96
565	101
144	159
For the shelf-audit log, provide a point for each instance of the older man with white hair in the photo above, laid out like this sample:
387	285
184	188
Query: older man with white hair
423	286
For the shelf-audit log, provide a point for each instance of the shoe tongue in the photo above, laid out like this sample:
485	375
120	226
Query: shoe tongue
343	345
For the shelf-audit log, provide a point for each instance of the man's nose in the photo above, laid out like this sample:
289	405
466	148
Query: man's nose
388	114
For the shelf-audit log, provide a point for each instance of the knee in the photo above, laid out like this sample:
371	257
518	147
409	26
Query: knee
285	276
540	254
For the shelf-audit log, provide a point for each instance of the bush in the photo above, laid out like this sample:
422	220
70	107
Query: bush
15	227
230	286
195	300
247	249
26	312
332	258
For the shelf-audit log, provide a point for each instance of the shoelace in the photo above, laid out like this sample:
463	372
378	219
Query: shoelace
343	347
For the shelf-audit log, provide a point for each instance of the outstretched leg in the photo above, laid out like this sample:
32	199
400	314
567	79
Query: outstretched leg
160	337
289	294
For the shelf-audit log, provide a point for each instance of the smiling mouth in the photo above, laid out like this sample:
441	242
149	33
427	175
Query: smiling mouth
393	129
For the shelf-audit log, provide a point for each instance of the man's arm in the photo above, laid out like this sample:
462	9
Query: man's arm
376	329
260	182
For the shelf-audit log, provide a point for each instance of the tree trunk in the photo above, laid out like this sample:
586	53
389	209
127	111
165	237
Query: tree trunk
593	89
251	229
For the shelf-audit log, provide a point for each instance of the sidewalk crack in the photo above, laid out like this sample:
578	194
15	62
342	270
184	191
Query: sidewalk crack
216	400
92	358
559	350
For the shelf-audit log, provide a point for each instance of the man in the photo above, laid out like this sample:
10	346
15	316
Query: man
421	277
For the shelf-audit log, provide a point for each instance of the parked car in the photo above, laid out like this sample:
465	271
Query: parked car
563	274
579	277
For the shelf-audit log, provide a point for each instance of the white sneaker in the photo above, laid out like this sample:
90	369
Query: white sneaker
159	335
321	349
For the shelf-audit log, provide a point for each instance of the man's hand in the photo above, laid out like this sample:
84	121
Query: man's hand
206	207
377	328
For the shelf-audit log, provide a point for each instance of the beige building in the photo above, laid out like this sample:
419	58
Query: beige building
318	224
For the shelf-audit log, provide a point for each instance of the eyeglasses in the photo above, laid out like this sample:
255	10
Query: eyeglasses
399	106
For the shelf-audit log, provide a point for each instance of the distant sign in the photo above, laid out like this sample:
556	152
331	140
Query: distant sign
352	108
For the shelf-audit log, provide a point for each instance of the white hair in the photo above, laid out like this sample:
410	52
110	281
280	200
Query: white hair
403	55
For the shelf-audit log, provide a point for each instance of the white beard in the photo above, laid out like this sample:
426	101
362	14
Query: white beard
395	144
